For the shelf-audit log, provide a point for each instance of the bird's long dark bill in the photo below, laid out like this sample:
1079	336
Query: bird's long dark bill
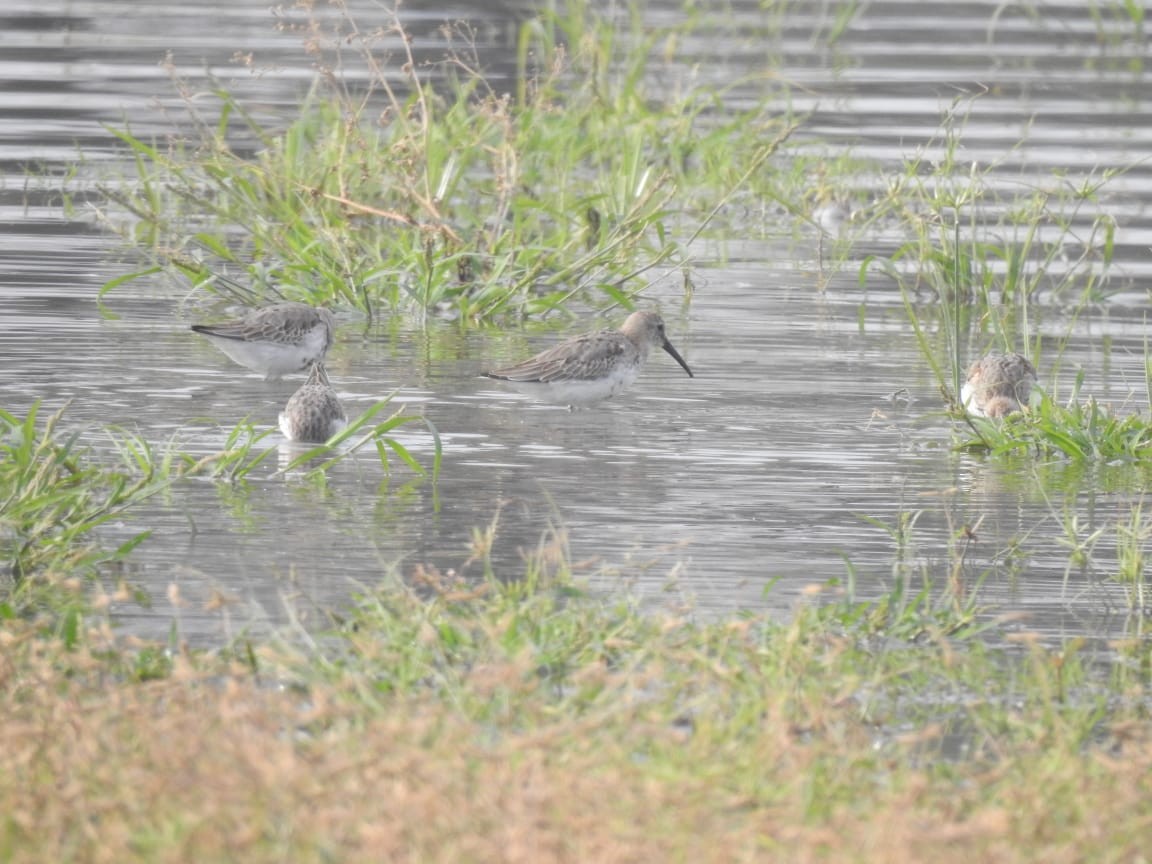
668	347
209	330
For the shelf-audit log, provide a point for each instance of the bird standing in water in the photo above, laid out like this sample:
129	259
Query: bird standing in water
587	369
275	340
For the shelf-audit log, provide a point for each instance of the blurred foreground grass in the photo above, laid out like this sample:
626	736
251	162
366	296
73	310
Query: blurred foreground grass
528	721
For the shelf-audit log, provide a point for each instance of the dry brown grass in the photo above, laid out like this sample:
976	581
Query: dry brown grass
211	765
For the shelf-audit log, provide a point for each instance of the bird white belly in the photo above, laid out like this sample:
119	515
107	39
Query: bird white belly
967	399
581	392
274	359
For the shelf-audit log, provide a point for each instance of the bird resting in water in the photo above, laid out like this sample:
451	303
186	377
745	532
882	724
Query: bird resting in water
998	385
314	413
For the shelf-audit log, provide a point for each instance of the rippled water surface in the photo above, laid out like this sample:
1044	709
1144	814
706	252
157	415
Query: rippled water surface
812	406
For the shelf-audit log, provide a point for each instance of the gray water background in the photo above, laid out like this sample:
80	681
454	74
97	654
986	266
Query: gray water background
737	490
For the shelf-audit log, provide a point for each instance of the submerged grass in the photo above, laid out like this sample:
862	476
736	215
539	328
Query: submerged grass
55	495
447	718
242	454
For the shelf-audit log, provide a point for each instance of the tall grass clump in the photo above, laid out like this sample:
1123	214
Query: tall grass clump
431	187
53	500
991	237
1080	430
987	254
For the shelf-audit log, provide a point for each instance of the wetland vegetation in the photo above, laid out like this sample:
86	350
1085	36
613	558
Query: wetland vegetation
479	714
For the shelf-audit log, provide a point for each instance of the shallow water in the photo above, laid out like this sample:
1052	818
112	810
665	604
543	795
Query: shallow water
738	489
